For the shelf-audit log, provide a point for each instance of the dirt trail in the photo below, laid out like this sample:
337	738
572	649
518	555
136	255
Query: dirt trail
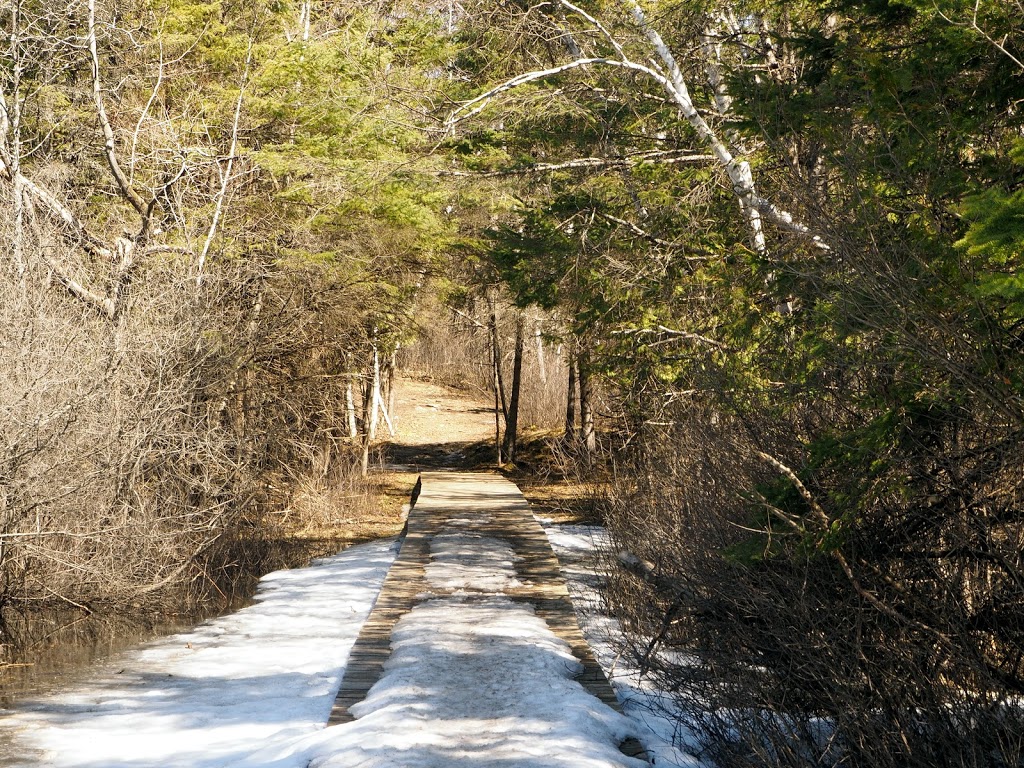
438	427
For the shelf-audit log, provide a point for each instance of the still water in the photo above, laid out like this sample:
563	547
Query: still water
66	649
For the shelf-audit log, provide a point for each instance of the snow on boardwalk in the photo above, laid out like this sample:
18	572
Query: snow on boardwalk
471	656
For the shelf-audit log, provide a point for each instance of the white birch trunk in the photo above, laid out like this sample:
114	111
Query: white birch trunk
753	206
375	399
350	411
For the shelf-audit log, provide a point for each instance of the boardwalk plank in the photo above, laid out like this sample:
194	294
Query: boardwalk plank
503	513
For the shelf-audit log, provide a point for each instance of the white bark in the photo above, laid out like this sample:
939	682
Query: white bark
350	411
154	92
58	211
10	143
738	170
538	336
627	161
712	45
386	416
671	79
375	399
109	146
608	36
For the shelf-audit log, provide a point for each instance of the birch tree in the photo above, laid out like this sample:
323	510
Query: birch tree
664	71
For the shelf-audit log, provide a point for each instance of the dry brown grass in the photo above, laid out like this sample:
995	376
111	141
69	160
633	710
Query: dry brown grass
348	512
556	484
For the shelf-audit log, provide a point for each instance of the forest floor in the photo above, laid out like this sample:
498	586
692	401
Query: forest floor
255	687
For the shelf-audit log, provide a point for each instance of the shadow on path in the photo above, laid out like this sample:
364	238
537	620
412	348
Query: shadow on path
472	455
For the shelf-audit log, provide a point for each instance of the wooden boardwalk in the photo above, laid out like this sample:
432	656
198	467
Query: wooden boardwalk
503	513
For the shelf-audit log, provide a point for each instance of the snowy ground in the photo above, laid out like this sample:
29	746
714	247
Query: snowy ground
210	697
475	678
661	725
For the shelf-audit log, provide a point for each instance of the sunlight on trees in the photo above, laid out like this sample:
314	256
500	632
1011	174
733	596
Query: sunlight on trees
769	255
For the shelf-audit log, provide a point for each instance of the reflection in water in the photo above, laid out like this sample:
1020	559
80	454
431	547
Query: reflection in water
43	652
66	649
264	675
60	646
65	646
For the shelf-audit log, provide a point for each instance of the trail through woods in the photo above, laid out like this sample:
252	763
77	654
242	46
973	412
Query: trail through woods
475	673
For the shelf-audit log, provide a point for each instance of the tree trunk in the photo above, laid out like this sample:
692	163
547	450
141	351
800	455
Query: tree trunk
539	338
588	438
496	385
350	411
373	402
392	364
570	399
512	422
366	401
496	348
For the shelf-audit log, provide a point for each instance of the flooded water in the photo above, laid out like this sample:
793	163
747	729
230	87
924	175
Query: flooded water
64	645
58	648
65	649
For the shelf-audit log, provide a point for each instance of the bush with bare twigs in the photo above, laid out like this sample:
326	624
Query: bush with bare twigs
889	639
139	459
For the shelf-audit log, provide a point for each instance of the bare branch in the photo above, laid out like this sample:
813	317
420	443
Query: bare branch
597	25
226	177
974	27
154	92
686	335
480	103
637	230
109	148
473	320
807	496
97	301
60	212
785	220
739	172
659	157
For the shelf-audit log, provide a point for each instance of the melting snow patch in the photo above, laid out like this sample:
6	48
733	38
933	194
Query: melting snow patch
471	562
665	731
204	699
478	682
